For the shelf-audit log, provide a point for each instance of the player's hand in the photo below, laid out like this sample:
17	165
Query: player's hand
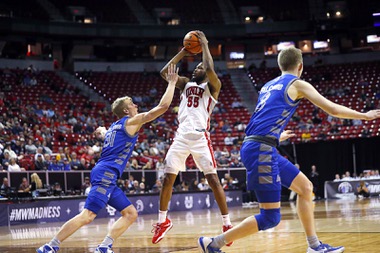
373	114
172	75
100	133
202	37
286	135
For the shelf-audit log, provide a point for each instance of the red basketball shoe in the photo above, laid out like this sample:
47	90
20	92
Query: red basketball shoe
225	228
160	229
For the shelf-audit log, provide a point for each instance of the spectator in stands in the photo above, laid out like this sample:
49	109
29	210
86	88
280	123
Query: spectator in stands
239	125
236	104
66	164
337	178
334	130
135	165
35	184
217	153
40	152
306	136
203	185
17	147
67	154
148	166
236	163
57	190
314	179
362	190
55	165
47	159
229	140
157	186
226	153
185	186
226	128
161	147
8	150
39	163
357	122
96	147
365	132
24	186
13	166
141	189
85	185
30	148
75	162
235	152
5	188
83	164
223	162
88	155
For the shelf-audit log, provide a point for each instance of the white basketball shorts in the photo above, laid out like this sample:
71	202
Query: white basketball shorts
198	145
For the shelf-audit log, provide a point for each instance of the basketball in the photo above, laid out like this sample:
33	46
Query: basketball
192	43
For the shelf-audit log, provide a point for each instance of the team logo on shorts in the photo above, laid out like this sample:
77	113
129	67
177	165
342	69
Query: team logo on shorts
110	210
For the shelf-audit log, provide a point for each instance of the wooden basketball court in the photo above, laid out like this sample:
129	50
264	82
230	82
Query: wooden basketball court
354	224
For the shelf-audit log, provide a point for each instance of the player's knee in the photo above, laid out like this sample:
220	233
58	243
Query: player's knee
132	213
87	216
213	180
268	218
307	189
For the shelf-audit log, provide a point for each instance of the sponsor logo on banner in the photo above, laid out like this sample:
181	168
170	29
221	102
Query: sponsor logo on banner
110	210
189	202
229	199
34	213
345	187
81	206
139	205
374	188
208	204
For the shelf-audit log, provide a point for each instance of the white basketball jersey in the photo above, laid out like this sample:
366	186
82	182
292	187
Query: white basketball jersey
195	108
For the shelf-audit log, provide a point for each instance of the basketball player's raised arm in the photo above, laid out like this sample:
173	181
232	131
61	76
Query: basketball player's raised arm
208	64
182	80
134	123
306	90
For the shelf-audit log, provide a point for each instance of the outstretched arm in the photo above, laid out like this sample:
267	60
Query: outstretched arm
182	80
305	89
134	124
208	64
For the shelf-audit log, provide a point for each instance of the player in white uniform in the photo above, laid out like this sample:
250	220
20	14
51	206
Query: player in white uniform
198	98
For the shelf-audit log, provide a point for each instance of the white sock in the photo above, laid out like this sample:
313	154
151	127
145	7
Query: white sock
107	242
226	220
54	242
162	216
313	241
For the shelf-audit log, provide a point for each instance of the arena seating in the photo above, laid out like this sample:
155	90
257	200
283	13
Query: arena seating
196	12
279	11
51	92
115	11
116	84
23	9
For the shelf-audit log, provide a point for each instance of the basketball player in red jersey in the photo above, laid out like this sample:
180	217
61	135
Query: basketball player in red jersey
198	98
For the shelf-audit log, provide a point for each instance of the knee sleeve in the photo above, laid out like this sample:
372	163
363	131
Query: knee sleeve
268	218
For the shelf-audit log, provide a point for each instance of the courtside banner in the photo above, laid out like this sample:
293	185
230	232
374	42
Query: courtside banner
60	210
348	189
